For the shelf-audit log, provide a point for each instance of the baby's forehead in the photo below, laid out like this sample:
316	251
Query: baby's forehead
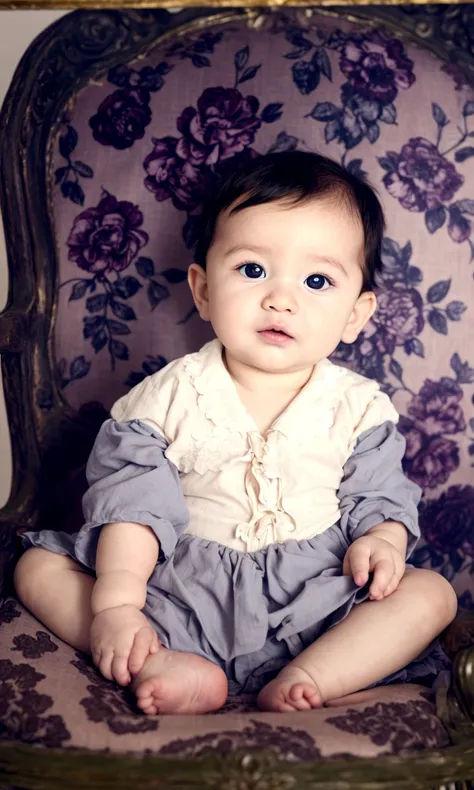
315	217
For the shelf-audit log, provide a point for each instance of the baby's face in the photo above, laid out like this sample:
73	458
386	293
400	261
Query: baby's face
283	284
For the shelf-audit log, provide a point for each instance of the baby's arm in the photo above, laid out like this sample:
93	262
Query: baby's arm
121	636
126	556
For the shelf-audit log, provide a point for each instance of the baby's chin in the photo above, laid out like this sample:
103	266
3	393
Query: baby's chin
269	359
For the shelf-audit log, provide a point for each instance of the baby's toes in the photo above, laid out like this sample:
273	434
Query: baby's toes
145	698
312	696
296	697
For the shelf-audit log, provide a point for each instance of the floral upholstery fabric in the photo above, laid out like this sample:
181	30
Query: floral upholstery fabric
51	695
138	149
130	161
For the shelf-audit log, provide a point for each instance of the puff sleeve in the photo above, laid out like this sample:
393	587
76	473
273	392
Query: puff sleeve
131	479
374	487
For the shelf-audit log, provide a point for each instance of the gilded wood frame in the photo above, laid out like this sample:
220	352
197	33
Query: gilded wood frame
44	428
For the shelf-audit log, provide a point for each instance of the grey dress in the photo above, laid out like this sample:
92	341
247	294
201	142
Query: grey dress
248	612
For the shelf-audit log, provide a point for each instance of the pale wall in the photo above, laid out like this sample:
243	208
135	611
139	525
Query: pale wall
17	31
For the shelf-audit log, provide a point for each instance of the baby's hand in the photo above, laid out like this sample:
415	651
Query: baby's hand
371	553
121	640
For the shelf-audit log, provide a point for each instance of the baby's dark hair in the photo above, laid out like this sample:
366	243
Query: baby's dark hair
298	177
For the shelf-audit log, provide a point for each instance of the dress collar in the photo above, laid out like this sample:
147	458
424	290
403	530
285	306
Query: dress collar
310	412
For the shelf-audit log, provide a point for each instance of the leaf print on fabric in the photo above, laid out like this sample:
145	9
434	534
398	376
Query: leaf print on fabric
78	368
196	49
307	73
67	177
149	366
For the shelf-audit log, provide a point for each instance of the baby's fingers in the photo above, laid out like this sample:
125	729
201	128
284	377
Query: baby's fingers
360	562
105	663
383	574
141	648
119	670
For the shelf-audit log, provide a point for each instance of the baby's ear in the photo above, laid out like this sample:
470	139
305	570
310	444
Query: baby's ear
363	310
197	280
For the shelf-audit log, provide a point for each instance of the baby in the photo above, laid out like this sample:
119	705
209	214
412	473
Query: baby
248	521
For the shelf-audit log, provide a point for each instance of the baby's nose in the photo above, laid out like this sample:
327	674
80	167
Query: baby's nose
281	300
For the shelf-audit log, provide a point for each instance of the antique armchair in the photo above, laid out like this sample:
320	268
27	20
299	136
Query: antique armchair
115	125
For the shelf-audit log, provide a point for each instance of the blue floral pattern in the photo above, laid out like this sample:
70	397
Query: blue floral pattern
223	99
376	68
423	179
104	241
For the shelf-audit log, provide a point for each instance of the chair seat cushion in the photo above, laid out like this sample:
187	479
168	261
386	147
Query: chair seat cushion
51	695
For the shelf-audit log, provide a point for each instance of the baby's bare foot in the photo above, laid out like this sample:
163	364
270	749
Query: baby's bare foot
172	682
293	689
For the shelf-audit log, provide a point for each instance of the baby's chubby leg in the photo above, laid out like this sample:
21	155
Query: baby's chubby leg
376	638
58	592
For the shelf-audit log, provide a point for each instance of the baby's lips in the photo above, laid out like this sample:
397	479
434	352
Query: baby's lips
275	328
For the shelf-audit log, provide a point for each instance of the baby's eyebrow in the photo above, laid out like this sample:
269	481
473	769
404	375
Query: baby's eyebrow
247	248
329	260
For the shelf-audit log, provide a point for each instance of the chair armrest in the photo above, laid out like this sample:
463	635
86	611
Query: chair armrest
459	634
13	331
463	680
455	704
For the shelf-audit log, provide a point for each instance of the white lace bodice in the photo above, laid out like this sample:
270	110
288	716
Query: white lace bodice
243	489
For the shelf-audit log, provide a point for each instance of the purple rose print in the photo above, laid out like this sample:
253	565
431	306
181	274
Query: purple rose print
421	177
446	523
122	117
185	169
170	176
398	319
428	461
107	238
376	66
437	407
224	123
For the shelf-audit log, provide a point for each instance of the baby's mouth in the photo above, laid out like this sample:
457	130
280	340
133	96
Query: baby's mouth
275	335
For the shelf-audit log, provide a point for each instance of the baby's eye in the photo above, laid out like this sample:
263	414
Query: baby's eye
252	270
318	282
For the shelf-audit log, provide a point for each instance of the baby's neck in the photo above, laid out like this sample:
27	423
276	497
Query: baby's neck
262	382
266	395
